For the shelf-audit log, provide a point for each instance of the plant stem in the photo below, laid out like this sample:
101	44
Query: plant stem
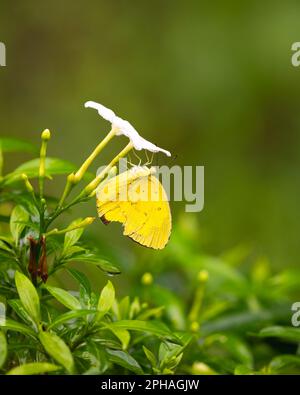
86	164
90	188
71	181
87	192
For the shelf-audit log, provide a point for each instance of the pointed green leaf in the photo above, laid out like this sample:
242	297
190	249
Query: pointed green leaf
29	296
122	358
18	307
5	247
64	297
17	327
34	368
82	279
53	166
18	219
73	236
106	298
150	356
281	332
58	350
122	334
70	315
154	327
103	264
285	364
9	144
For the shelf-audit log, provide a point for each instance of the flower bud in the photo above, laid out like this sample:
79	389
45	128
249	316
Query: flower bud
87	221
194	327
203	276
46	135
27	183
147	278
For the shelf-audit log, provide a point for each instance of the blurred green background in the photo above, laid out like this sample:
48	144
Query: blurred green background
210	81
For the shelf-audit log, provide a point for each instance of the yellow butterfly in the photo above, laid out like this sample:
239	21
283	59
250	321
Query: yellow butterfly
138	200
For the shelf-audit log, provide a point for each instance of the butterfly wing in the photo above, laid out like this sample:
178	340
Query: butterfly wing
140	204
108	198
149	219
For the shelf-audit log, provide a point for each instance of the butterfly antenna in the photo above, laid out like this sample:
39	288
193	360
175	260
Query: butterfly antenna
136	155
149	160
129	159
147	157
152	157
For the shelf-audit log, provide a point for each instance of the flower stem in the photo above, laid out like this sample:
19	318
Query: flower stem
87	221
73	179
45	137
199	294
90	188
86	164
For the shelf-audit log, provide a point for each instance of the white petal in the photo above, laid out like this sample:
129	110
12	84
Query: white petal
125	128
104	112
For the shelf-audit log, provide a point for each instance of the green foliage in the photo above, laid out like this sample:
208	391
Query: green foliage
34	368
9	144
28	296
57	349
3	349
218	315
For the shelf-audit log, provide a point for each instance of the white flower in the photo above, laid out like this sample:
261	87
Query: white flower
125	128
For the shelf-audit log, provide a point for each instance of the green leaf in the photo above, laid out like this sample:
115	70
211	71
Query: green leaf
169	356
5	247
82	279
57	349
122	358
73	236
106	298
233	345
68	255
64	297
18	219
122	334
150	356
18	307
3	349
281	332
28	295
103	264
17	327
9	144
95	358
154	327
70	315
245	320
53	166
34	368
285	364
124	306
